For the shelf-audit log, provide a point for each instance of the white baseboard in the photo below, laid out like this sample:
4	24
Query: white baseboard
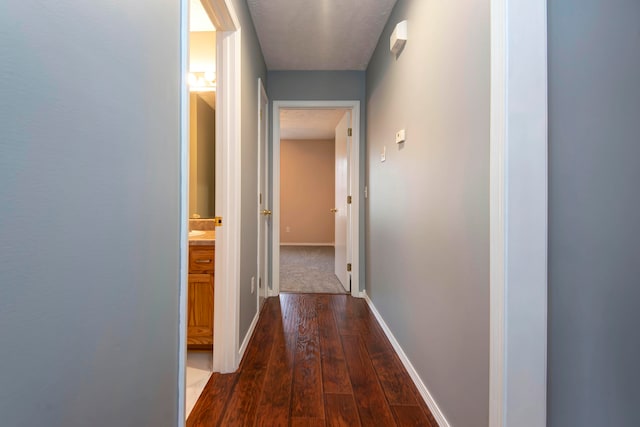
306	244
247	337
424	392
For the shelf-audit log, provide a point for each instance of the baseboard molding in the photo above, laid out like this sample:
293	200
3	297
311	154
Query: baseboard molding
247	337
424	392
306	244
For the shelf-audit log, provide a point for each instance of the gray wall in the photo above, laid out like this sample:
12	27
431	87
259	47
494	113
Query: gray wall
89	213
428	207
318	86
253	67
594	225
323	86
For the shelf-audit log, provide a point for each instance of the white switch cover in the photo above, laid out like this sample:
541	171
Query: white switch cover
383	154
253	284
400	136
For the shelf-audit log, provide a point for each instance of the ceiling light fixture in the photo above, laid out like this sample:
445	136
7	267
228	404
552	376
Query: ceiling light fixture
202	81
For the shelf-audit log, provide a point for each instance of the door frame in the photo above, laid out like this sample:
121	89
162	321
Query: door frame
353	234
183	279
263	170
226	318
518	214
228	173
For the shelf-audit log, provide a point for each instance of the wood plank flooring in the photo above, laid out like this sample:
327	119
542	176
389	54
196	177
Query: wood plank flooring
314	360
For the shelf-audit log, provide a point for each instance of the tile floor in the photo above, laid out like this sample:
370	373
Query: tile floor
199	369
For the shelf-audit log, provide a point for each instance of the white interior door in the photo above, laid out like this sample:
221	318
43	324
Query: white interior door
264	213
341	207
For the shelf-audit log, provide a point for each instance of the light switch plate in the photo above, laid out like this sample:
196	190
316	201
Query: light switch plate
383	154
400	136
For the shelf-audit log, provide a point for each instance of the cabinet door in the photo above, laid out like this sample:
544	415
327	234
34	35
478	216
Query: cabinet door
200	311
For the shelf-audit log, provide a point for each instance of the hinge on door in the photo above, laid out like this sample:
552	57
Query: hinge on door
348	200
349	267
261	114
349	132
260	283
260	198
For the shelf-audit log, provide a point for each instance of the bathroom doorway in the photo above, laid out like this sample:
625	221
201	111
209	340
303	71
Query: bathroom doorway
210	130
201	80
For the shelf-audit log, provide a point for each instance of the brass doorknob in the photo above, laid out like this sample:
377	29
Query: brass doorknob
333	210
266	212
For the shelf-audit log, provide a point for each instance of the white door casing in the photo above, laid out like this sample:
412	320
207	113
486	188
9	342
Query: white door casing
183	284
353	186
518	211
341	193
226	324
264	217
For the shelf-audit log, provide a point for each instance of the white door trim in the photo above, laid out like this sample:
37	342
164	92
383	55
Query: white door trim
183	279
353	238
222	14
263	118
518	219
226	319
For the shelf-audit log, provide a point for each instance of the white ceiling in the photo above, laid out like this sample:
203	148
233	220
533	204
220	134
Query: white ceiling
309	124
319	34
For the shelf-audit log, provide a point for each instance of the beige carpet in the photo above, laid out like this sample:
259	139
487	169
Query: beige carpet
308	269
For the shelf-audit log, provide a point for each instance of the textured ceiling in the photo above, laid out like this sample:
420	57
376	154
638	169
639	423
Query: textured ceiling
309	124
319	34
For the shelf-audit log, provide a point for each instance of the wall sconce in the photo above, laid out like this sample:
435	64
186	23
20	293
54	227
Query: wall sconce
398	38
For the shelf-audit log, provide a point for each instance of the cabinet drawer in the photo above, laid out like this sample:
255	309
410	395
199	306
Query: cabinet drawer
201	259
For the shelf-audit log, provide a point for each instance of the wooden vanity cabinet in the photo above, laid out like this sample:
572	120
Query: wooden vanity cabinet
200	302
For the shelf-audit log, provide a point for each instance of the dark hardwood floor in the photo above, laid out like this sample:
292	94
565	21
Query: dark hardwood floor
314	360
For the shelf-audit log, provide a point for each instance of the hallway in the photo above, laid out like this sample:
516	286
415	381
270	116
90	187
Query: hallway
494	161
314	360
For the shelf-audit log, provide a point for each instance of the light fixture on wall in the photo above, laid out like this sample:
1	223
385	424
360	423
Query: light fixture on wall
398	38
204	81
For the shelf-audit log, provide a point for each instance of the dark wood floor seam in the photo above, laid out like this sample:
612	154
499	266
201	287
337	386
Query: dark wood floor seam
293	369
227	400
264	382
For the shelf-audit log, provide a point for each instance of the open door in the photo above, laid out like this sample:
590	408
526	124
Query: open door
341	209
264	213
